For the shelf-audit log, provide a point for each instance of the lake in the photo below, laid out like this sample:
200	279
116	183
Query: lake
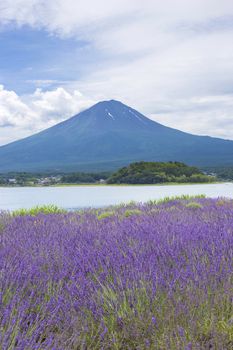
77	197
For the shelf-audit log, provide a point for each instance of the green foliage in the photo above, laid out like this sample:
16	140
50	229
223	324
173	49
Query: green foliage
28	179
169	199
105	215
45	209
131	212
158	172
194	205
22	178
223	173
84	177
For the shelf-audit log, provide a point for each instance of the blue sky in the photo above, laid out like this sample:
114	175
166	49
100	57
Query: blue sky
172	60
30	56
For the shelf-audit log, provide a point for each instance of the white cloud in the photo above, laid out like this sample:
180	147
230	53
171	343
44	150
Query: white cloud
13	112
209	115
171	59
58	104
66	17
22	116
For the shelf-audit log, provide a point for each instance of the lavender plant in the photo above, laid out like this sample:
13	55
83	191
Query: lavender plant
159	278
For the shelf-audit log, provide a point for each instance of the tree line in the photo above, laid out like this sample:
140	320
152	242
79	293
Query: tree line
159	172
135	173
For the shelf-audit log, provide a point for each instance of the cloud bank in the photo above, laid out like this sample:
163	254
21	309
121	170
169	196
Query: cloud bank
172	60
22	116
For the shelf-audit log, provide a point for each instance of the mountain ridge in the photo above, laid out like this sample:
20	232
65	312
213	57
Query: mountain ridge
108	135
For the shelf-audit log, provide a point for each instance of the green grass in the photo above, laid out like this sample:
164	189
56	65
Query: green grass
105	214
182	197
45	209
131	212
109	211
194	205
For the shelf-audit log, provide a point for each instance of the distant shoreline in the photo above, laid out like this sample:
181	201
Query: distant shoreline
127	185
117	185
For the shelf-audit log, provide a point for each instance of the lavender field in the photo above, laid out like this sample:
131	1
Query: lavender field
151	276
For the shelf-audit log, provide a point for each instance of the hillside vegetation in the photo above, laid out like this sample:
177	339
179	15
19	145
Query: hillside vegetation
158	172
135	173
223	173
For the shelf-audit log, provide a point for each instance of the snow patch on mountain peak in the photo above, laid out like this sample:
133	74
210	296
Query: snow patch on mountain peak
109	114
135	115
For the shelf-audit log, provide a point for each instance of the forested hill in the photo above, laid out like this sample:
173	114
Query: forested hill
158	172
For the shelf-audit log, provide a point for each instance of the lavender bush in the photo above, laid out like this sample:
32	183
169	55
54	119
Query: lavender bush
132	277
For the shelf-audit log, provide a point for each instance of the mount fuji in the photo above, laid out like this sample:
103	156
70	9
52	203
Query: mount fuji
107	136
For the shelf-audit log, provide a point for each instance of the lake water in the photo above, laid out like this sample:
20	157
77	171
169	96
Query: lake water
76	197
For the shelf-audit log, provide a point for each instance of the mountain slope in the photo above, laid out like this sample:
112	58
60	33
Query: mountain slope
109	135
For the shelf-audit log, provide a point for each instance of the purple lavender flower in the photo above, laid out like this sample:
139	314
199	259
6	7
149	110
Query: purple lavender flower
73	281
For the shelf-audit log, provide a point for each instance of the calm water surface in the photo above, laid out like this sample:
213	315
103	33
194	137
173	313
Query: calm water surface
76	197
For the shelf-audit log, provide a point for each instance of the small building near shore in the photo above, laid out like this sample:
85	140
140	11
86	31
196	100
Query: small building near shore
12	181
